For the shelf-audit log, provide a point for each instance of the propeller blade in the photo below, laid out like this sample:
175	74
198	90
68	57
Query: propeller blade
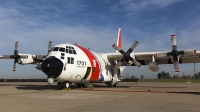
190	51
176	67
119	64
49	46
16	48
135	62
14	67
133	46
6	56
118	49
173	40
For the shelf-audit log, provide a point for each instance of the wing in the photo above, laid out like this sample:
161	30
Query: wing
145	57
25	58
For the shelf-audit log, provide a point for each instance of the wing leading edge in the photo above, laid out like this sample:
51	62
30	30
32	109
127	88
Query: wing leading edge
146	57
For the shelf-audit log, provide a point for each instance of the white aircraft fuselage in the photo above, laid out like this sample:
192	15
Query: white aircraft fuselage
72	63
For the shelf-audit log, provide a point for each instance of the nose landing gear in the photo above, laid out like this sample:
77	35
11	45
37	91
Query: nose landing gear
63	85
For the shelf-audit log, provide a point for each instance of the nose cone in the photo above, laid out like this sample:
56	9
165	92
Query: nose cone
52	67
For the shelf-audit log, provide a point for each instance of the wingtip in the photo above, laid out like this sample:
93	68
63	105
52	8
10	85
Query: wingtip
195	51
156	55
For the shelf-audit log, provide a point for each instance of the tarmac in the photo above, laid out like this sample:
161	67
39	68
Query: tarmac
126	97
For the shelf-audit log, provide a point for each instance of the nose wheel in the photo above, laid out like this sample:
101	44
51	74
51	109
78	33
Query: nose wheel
62	85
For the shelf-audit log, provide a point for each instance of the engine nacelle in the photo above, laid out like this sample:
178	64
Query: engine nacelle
27	60
38	66
153	66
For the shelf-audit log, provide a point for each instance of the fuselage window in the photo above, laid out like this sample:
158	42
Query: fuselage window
67	50
72	60
55	48
62	49
68	60
62	56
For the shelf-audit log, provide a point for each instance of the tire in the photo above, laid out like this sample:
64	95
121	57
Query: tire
59	86
110	84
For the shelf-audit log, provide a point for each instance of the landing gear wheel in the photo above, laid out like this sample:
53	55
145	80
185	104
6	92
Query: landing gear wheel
59	86
65	85
110	84
81	85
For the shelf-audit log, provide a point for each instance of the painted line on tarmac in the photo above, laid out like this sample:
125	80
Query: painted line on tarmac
110	90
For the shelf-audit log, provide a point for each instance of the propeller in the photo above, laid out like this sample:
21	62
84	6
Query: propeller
49	46
126	55
42	57
15	56
175	53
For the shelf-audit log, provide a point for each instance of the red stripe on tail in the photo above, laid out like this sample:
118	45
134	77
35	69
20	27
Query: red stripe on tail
119	40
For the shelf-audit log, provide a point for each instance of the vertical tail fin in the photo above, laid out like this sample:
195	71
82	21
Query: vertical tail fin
119	39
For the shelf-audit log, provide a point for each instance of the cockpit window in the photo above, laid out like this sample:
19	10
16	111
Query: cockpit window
62	49
70	50
55	48
74	52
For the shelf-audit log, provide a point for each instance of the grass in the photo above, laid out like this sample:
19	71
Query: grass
169	80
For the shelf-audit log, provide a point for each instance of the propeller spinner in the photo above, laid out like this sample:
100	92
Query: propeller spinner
126	55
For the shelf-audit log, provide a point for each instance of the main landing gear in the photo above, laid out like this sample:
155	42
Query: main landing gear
63	85
114	80
112	83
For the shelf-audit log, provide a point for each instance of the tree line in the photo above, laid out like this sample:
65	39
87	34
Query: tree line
166	75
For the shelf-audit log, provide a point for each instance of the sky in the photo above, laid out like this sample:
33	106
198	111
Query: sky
94	24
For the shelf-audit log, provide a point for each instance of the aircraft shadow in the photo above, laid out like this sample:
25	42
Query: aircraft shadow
36	87
192	93
158	87
74	87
